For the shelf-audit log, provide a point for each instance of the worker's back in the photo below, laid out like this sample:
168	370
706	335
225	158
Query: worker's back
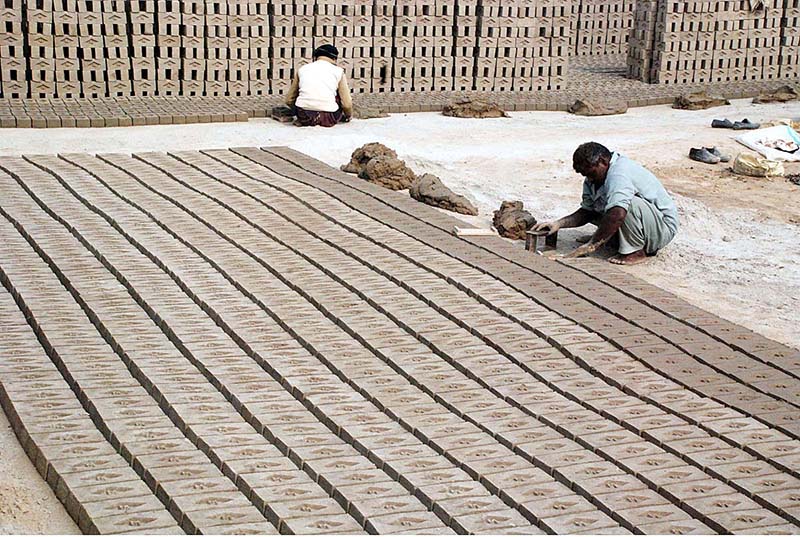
319	82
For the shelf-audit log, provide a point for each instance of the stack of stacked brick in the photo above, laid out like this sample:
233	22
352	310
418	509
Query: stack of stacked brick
13	82
543	45
642	38
790	40
144	65
41	50
603	27
93	67
763	39
356	48
433	68
405	22
217	47
465	39
258	41
66	43
168	47
193	47
282	44
500	48
383	29
116	47
702	42
238	74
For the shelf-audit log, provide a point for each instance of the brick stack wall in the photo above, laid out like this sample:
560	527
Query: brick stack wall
602	27
143	48
704	42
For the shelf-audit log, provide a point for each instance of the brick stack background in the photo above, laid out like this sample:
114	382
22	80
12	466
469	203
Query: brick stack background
217	48
705	42
602	27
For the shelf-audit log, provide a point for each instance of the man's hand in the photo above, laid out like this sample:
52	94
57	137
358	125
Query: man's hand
584	250
550	227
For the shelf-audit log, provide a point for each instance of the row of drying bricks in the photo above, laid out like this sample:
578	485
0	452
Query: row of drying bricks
682	366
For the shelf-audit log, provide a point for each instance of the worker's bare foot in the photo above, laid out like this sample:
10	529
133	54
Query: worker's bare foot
629	259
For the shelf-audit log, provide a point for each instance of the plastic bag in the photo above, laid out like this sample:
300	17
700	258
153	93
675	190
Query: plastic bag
753	166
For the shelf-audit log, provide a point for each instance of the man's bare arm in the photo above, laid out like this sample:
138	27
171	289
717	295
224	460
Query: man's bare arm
609	225
579	218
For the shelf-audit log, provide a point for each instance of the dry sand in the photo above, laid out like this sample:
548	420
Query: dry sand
27	504
736	254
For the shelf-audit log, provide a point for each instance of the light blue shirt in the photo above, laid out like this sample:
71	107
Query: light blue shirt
626	179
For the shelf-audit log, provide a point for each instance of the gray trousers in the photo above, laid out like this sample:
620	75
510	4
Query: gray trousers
643	229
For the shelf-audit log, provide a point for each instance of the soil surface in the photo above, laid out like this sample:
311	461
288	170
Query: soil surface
27	504
735	255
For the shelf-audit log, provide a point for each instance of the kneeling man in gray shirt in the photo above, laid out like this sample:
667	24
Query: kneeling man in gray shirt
620	196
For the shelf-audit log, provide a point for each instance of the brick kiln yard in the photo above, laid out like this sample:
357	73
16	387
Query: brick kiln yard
247	339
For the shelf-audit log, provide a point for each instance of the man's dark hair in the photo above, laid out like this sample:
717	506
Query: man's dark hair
329	51
588	154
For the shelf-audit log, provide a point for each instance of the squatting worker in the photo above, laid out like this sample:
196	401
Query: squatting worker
319	91
621	197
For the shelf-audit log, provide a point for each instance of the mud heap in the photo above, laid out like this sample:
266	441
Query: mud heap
430	190
512	220
476	107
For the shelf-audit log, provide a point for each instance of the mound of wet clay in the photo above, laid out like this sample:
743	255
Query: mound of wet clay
388	172
781	95
512	220
430	190
590	108
699	100
473	108
365	153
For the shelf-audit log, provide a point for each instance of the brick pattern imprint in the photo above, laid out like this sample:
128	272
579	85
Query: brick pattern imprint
248	340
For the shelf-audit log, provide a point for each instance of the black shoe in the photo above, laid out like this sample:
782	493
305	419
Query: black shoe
722	124
745	124
717	153
702	155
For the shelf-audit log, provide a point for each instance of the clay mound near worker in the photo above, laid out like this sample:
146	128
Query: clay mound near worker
365	153
589	108
430	190
780	95
477	107
512	220
699	100
388	172
368	112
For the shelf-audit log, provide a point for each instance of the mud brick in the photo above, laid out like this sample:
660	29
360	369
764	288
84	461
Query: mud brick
320	507
365	510
193	479
680	527
97	510
323	525
148	521
354	495
85	496
580	522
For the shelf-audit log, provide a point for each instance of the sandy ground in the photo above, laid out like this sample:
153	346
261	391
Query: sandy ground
27	504
736	254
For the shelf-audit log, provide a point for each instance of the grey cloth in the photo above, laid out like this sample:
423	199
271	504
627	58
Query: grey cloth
645	228
625	181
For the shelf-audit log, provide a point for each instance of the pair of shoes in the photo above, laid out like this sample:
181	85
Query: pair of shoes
744	124
708	155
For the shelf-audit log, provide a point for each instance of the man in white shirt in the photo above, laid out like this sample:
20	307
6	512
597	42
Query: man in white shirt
319	93
623	199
